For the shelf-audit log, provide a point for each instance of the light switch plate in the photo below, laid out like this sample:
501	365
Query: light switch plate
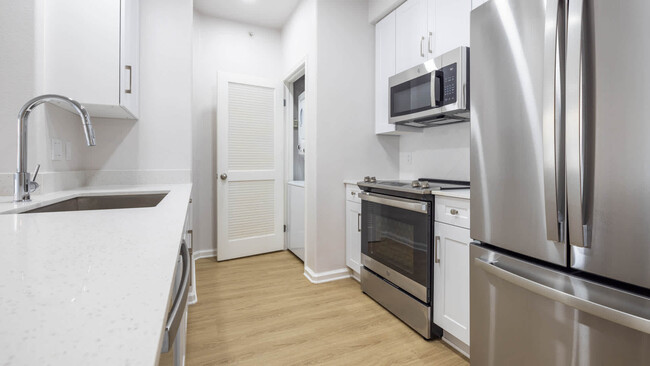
68	150
57	149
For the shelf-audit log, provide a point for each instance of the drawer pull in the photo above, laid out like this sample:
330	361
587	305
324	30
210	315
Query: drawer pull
453	211
353	193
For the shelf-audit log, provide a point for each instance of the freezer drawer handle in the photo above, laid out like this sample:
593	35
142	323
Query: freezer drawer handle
178	308
595	309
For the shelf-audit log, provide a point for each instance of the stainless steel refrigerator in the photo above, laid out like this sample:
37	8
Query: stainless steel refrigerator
560	172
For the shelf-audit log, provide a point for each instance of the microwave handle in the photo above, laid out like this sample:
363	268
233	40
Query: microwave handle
436	88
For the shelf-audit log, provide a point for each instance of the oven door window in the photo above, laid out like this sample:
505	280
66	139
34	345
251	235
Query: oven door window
399	239
411	97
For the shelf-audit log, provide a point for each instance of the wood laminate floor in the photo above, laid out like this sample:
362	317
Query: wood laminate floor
262	311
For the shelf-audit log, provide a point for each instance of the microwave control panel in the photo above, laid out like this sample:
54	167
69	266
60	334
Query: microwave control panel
449	84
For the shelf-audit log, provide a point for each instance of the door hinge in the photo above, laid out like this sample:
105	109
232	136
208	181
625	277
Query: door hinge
284	102
285	228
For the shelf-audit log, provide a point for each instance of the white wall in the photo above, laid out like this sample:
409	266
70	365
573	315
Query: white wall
159	140
221	45
439	152
18	73
299	46
347	147
335	40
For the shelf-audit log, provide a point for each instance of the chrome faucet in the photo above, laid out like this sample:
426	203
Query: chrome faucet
23	185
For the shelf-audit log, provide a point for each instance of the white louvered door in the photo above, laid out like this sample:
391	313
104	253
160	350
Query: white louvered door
249	167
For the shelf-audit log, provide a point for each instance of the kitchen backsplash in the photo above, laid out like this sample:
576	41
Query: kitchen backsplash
438	152
58	181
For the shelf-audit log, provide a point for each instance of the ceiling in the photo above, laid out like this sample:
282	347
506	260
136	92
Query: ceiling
267	13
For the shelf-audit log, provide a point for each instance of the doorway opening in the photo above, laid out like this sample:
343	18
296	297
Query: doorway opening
296	98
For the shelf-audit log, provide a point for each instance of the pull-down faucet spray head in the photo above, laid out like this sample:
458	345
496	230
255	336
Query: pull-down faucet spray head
23	186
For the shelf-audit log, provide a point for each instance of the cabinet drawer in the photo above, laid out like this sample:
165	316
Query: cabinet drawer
352	193
453	211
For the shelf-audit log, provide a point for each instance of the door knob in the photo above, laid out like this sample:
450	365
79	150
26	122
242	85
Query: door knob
223	176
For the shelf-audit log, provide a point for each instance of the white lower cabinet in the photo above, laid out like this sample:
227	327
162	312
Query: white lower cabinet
451	280
353	228
296	219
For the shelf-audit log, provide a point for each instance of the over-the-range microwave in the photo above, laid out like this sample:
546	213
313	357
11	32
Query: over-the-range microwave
432	94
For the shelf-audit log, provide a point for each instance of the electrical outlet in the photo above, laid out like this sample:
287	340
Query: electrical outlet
409	158
68	151
57	149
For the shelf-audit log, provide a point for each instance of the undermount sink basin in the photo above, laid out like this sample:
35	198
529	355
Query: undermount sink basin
107	202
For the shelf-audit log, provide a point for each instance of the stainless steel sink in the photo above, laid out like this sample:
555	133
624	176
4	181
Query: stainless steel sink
108	202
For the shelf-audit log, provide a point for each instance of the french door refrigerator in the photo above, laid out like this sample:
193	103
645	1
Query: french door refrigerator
560	172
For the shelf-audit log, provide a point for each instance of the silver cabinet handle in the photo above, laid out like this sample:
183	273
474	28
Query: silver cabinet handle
453	211
593	308
130	70
575	127
436	249
178	307
430	42
359	221
223	176
422	47
553	109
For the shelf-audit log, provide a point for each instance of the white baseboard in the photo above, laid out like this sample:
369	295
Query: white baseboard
455	343
321	277
205	253
355	275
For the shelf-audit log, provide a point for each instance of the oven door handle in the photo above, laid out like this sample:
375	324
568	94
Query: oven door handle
403	203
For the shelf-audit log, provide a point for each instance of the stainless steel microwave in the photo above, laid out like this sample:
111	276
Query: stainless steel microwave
432	94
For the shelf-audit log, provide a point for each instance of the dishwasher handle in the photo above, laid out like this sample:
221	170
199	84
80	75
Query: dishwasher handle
178	308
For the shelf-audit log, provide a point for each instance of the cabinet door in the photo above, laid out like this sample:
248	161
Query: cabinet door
130	56
384	68
353	236
451	24
411	34
81	49
451	280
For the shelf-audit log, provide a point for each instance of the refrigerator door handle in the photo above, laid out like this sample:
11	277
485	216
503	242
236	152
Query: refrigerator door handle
553	120
601	311
575	127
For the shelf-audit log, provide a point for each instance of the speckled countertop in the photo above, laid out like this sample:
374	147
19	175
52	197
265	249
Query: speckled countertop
88	287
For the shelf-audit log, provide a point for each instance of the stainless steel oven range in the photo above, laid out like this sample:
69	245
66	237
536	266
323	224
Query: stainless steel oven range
397	247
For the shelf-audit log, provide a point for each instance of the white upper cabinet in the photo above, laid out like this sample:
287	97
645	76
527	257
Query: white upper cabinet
91	51
451	24
412	30
417	31
385	57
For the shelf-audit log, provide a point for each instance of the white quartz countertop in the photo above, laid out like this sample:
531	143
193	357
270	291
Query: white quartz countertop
457	193
88	287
